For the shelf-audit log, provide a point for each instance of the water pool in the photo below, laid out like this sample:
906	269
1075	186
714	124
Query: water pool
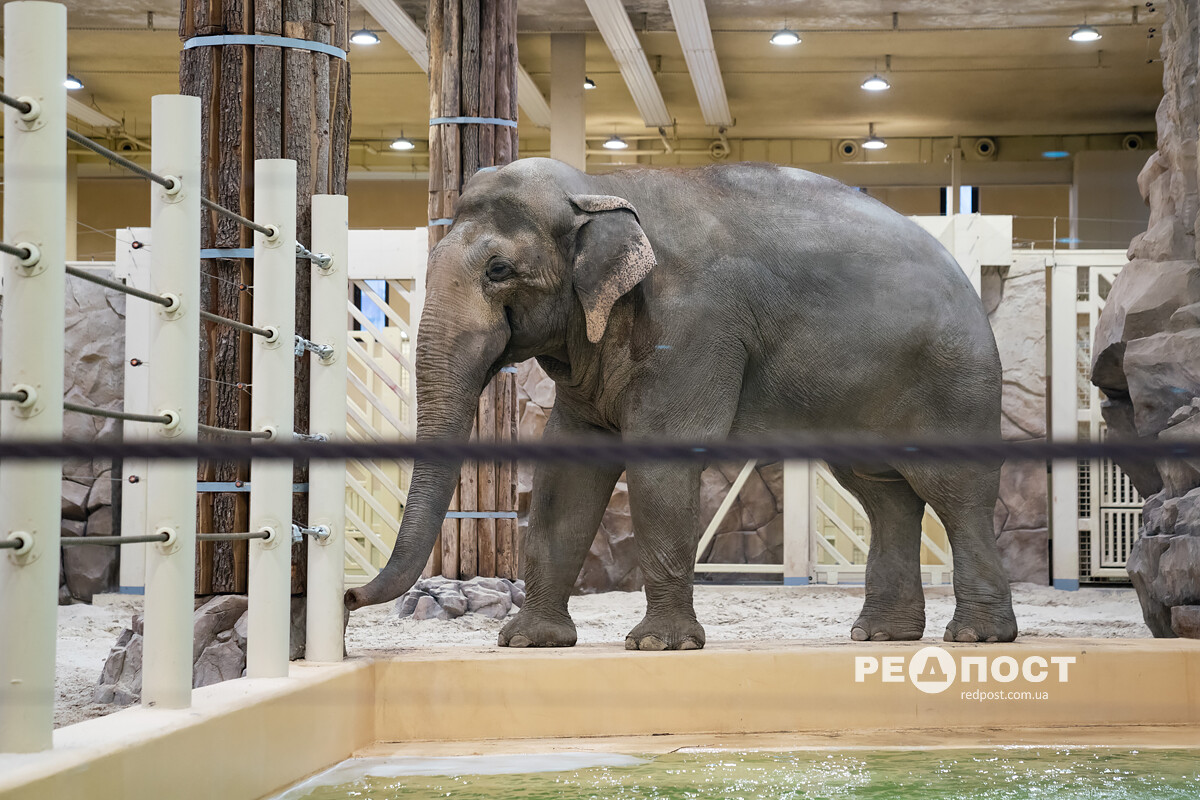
1004	774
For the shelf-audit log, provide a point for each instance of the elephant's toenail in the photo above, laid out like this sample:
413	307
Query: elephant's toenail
630	644
520	640
689	644
880	636
858	634
967	635
993	638
652	643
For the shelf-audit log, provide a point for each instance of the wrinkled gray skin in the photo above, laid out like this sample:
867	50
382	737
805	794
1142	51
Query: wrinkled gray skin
732	300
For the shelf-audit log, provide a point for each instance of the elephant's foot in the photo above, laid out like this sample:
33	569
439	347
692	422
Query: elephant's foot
666	632
986	623
891	626
530	629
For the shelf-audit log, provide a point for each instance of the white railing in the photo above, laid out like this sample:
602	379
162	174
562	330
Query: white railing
167	401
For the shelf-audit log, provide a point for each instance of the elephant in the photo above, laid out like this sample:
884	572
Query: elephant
735	301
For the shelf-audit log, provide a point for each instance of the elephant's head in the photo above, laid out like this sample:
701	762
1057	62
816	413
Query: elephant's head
531	257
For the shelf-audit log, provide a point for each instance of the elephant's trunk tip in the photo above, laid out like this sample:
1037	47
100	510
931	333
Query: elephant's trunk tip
365	596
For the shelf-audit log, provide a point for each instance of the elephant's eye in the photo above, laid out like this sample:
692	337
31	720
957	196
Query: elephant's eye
499	270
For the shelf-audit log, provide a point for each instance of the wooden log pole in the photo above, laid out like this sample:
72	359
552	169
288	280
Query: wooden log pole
257	102
473	63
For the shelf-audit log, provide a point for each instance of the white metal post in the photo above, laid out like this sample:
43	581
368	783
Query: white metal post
174	389
35	174
273	376
1064	426
133	265
327	415
797	533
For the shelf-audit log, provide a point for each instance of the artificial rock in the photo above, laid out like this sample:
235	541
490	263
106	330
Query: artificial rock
1146	355
444	598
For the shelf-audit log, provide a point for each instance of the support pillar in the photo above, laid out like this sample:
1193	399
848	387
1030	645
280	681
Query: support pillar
31	349
1064	427
568	70
473	73
797	516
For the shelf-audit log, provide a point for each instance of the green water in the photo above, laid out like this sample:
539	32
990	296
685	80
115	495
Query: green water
1008	774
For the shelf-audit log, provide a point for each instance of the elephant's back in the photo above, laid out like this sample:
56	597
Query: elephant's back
847	297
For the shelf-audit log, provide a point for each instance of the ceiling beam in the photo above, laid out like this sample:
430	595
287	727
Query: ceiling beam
613	22
84	113
695	37
401	27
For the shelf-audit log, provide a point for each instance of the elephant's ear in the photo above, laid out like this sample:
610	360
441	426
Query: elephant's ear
612	255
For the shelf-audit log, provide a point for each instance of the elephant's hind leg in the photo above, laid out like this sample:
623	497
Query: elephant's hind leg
964	497
894	607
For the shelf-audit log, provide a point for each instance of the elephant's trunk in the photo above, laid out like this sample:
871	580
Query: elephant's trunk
448	389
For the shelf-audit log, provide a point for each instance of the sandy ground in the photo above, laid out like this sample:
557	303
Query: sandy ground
728	613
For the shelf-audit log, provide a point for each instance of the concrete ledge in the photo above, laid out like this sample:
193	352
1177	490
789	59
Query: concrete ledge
240	740
249	738
605	691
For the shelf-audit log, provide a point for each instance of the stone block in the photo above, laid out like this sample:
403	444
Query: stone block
428	608
90	570
220	661
487	602
220	613
1185	621
407	603
1143	569
1025	555
1162	373
74	500
101	493
100	523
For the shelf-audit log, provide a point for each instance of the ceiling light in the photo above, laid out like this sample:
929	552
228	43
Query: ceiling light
1056	154
72	82
403	143
588	83
785	38
872	141
876	83
615	142
364	37
1084	33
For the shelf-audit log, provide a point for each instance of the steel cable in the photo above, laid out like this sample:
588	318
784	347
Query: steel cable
117	286
233	323
161	419
606	450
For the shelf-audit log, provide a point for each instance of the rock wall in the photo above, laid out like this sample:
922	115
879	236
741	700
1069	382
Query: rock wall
1147	350
94	375
1015	299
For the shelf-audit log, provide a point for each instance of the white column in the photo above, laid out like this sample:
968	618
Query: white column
134	266
327	415
71	245
568	70
797	532
1064	427
174	386
273	376
35	171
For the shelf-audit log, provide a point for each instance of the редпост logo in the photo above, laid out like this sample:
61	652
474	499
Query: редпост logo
933	670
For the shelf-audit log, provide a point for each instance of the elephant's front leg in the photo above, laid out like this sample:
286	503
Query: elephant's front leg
566	506
665	502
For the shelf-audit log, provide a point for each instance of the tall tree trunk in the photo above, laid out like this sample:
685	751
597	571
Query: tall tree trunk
473	73
257	102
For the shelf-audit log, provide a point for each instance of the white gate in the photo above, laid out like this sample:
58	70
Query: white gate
826	532
386	292
1110	508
